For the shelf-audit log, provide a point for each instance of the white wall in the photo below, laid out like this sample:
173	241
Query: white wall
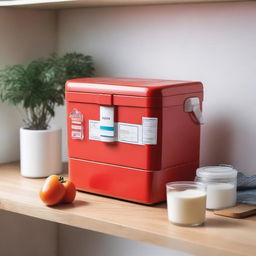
24	35
213	43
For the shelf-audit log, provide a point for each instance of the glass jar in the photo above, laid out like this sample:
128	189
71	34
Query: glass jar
221	183
186	203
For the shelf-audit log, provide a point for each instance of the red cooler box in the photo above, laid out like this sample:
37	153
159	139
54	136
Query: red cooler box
128	137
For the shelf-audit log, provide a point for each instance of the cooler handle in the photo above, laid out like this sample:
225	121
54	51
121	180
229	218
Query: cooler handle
193	105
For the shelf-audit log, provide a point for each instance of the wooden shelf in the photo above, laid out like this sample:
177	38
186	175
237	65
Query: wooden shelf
219	236
92	3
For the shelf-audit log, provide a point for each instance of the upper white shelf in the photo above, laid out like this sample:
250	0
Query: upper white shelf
93	3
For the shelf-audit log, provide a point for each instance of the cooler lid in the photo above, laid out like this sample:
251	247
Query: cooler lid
132	86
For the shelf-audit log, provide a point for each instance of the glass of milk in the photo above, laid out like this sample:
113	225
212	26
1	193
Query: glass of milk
186	203
221	185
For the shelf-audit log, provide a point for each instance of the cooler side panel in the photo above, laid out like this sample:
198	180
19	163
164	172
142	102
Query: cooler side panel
181	135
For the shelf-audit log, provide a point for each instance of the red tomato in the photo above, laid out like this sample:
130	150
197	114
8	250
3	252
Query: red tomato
70	192
52	191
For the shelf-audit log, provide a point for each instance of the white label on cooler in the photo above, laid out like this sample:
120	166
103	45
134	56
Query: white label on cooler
76	116
149	129
77	131
94	130
76	127
77	135
107	125
129	133
76	122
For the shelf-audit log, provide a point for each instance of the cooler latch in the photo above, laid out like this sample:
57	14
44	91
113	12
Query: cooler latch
107	123
193	105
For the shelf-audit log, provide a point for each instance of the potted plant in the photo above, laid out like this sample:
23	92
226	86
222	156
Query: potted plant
38	88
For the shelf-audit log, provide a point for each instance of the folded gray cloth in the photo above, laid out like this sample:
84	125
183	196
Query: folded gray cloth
246	189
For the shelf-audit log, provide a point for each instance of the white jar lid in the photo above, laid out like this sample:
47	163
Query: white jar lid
216	172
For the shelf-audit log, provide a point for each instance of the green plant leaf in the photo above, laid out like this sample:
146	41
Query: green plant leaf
40	86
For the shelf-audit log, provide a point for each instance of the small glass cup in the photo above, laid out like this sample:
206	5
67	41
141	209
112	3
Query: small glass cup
186	203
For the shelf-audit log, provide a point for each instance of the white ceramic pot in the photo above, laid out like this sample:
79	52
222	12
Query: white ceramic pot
40	152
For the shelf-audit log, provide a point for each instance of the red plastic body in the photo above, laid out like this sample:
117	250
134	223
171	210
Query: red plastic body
128	171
